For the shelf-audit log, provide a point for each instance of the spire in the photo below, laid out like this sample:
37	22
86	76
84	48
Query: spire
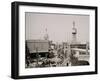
74	29
73	24
74	33
46	37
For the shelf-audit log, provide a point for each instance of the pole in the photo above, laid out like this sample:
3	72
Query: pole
37	55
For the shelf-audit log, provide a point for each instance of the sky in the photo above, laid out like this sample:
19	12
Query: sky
59	26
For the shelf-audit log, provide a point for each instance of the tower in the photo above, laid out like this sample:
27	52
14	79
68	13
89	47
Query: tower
46	36
74	34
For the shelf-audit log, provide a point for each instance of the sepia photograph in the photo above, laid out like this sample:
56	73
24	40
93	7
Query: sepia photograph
50	40
56	40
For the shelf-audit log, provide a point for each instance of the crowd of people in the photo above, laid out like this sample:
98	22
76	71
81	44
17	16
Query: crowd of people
55	57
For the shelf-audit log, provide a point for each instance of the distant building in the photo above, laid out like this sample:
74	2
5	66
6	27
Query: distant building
80	46
65	44
81	51
37	45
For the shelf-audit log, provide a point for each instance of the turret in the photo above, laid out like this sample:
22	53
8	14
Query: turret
74	33
46	37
